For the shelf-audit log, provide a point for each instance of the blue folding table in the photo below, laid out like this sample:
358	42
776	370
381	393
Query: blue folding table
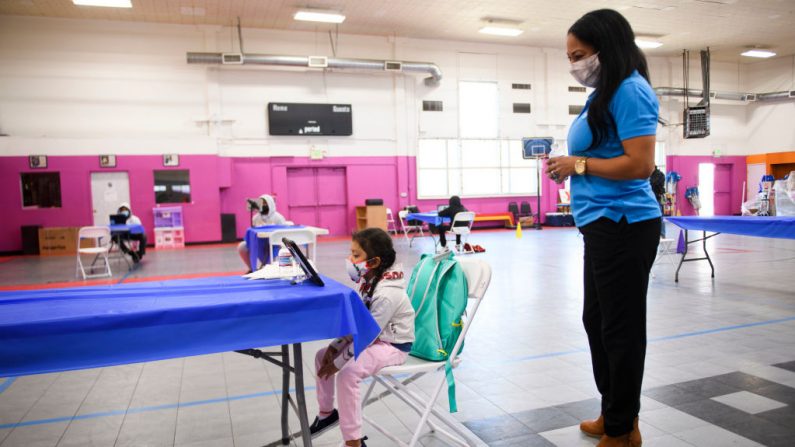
51	330
760	226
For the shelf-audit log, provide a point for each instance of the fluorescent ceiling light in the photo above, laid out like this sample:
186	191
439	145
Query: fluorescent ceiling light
501	31
315	16
642	43
759	53
104	3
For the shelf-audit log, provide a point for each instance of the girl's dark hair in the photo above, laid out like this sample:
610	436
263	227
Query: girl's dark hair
377	243
609	33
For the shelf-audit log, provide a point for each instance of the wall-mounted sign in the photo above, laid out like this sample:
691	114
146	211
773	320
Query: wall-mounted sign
107	161
170	160
37	161
286	118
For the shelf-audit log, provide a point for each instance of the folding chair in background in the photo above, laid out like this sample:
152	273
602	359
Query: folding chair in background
402	216
463	230
478	276
102	243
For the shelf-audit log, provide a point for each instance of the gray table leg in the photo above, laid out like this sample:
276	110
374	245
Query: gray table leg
306	436
285	393
682	259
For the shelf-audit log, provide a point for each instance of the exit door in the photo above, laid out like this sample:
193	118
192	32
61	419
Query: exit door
723	189
108	190
318	197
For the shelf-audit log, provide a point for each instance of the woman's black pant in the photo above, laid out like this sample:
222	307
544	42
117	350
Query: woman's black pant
618	259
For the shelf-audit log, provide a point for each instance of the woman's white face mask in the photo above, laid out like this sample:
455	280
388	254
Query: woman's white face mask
586	71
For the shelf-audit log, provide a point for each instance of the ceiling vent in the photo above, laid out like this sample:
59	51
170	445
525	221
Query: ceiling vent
232	59
393	66
318	62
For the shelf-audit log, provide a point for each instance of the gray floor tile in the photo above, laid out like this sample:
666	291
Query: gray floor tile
497	428
153	428
44	435
523	441
101	431
546	419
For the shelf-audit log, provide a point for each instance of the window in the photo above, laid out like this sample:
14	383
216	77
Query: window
474	167
659	155
478	110
172	186
432	106
521	107
575	109
41	190
478	163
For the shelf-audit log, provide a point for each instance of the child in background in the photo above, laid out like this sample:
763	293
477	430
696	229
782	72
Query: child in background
452	209
267	216
132	219
382	287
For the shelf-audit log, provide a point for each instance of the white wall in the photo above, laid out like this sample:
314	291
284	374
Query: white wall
771	125
87	87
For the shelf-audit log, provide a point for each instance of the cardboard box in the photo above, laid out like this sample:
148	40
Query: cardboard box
527	221
58	241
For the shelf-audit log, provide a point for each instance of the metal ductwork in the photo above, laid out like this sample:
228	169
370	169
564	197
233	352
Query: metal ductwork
318	62
732	96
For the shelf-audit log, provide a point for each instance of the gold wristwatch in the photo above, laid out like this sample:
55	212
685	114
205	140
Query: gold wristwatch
579	166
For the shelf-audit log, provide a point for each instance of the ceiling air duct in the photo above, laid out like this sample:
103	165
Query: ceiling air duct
317	62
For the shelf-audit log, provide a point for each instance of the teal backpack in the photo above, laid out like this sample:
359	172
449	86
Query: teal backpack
438	292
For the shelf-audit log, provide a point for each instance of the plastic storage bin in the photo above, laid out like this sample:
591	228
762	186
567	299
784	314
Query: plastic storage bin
168	216
171	237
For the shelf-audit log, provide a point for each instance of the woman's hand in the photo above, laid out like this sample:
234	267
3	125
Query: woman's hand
560	168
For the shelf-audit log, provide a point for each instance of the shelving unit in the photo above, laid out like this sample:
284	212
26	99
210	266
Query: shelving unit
169	232
370	217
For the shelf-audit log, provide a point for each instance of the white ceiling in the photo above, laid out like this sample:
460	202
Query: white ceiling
726	26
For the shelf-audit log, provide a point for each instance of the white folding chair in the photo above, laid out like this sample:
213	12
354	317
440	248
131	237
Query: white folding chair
402	214
463	230
478	275
665	251
391	225
100	250
300	236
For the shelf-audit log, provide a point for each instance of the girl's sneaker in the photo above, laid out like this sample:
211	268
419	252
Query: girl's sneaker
321	425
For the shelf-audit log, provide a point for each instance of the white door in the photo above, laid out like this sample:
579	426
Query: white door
108	190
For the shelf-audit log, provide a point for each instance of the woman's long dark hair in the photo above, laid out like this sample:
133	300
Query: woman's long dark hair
609	33
376	243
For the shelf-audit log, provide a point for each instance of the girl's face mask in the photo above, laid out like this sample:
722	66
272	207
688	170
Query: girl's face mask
586	71
356	271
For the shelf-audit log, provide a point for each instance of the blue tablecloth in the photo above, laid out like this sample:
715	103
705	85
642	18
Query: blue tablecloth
63	329
132	229
761	226
431	217
258	247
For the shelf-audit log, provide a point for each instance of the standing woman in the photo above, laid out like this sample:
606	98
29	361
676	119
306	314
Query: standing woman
611	147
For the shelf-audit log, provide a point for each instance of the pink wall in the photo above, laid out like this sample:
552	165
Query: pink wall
687	167
201	217
219	185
